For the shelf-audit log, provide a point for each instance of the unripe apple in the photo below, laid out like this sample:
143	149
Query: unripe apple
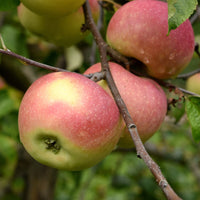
193	83
144	98
67	121
63	31
139	29
53	7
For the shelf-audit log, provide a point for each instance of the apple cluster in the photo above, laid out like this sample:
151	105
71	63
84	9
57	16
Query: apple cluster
58	22
69	122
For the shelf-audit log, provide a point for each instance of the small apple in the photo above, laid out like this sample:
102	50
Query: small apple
144	98
193	83
68	122
63	31
53	8
139	29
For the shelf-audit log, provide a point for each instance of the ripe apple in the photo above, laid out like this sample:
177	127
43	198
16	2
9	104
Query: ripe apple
144	98
63	31
53	8
193	83
139	29
68	122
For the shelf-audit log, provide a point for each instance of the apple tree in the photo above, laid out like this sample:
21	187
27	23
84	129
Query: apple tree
99	99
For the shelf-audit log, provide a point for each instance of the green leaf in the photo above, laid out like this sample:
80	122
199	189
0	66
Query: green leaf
14	39
192	107
9	125
8	159
179	11
177	112
6	5
6	103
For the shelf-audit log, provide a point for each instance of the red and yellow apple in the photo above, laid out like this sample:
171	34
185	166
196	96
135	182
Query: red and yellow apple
193	83
53	7
139	29
68	122
144	98
63	31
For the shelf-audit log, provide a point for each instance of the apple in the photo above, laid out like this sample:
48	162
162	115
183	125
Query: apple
63	31
144	98
139	29
67	121
52	7
193	83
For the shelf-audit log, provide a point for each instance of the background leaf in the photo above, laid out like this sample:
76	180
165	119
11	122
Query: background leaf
179	11
6	103
193	114
8	159
14	39
6	5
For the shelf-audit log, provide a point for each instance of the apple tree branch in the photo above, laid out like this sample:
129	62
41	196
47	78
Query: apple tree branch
140	149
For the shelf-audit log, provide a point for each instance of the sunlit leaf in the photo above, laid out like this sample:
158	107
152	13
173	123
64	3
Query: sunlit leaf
179	11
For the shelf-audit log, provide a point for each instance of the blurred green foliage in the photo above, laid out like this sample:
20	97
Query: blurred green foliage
121	175
8	5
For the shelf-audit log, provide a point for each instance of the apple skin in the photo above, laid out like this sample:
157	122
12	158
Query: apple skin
63	31
53	8
193	83
144	98
139	29
68	122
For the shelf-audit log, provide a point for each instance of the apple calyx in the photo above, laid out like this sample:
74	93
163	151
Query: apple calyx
52	144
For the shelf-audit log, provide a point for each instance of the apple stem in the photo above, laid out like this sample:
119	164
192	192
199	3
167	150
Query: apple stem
140	149
177	90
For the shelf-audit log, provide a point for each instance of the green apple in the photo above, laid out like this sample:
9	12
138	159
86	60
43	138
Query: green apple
139	29
63	31
193	83
68	122
53	8
144	98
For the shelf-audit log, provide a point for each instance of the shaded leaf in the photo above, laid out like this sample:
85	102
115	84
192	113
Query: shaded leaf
14	40
177	112
6	5
8	159
193	113
6	103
